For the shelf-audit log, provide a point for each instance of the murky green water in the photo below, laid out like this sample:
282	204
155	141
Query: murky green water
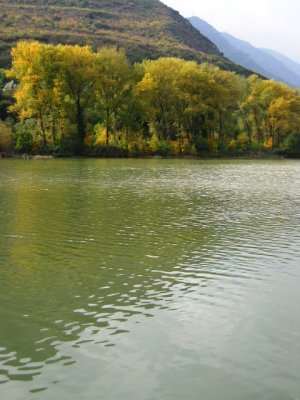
149	279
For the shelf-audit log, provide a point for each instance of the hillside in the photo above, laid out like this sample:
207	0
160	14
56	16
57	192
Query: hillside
145	28
291	64
230	51
273	66
264	62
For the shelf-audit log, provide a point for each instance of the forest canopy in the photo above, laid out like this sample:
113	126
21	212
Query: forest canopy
70	100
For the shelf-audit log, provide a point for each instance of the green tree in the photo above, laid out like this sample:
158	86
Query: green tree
113	88
75	84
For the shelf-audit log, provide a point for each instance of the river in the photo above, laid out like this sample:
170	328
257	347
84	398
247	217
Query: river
149	279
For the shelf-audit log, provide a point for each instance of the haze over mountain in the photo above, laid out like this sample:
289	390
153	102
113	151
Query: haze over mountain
274	67
145	28
272	24
266	62
289	63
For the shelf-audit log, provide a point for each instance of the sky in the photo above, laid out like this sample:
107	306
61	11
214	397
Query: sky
273	24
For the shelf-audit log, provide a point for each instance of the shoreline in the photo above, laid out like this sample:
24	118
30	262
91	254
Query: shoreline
262	156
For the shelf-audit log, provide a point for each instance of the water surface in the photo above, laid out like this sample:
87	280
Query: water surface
149	279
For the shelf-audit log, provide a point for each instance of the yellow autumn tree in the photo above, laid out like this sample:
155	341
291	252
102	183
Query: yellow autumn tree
113	87
34	66
76	82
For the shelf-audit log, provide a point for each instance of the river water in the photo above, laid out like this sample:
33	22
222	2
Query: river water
149	279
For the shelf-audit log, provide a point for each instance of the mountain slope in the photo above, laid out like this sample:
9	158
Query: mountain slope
264	62
290	64
145	28
231	52
274	67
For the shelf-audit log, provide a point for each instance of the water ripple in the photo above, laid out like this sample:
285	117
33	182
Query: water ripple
144	262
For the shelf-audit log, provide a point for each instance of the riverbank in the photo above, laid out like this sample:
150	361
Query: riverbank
183	157
27	156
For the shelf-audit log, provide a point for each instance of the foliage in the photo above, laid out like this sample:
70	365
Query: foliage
2	78
5	96
24	131
291	146
70	99
112	88
6	138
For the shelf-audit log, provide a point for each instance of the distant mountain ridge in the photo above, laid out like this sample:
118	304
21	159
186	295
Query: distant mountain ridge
268	63
275	68
224	45
144	28
291	64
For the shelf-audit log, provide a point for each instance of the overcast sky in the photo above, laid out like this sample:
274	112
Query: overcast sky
274	24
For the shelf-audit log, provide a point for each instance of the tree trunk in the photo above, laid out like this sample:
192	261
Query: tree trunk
43	131
80	122
258	130
53	130
220	125
248	129
107	128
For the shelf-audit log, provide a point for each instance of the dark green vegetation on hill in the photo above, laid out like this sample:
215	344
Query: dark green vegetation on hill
71	100
144	28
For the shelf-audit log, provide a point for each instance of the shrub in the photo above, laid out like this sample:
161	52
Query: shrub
38	146
107	151
223	147
291	146
25	132
242	141
153	143
139	147
213	146
201	145
175	147
6	138
164	148
188	149
268	143
232	145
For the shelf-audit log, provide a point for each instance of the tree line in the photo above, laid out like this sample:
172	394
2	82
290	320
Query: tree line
70	100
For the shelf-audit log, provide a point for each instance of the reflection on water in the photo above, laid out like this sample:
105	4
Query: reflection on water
144	279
